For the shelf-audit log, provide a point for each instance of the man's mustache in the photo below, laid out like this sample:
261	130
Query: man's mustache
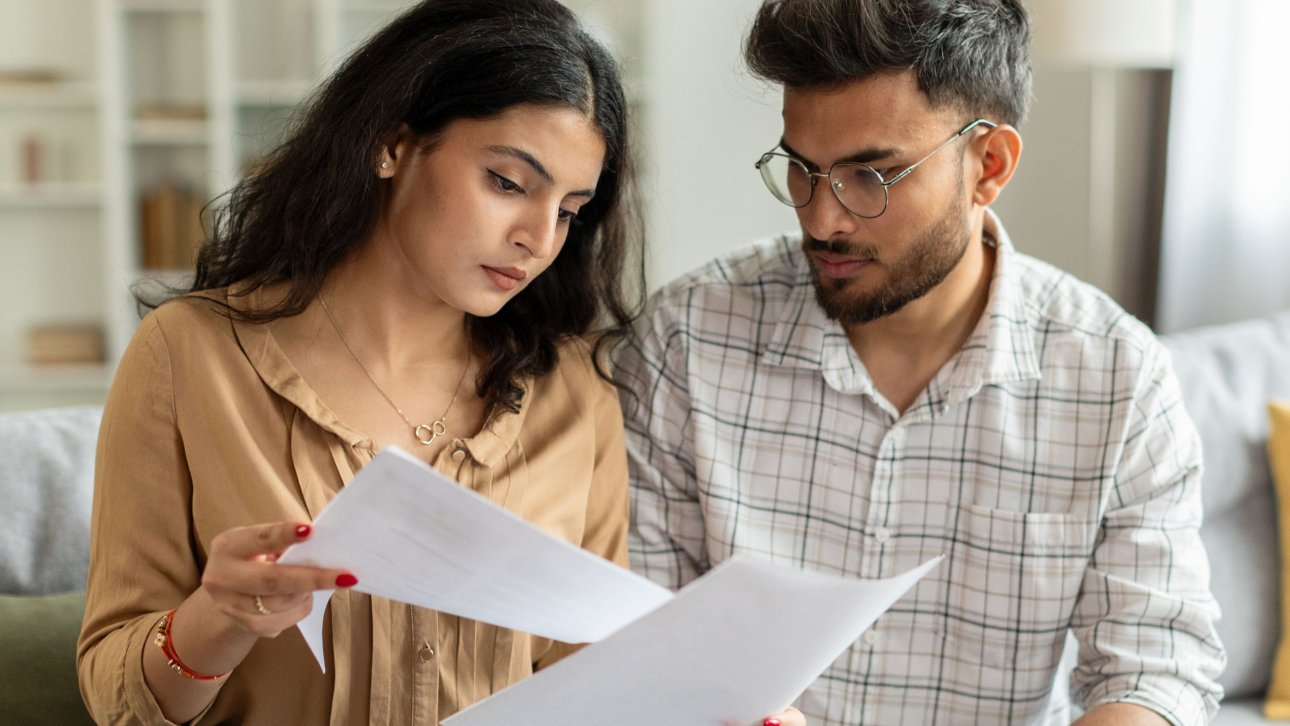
842	247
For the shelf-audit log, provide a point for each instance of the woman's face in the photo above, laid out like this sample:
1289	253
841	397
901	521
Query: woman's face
478	217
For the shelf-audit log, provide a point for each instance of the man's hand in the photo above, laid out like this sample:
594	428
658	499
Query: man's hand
1121	714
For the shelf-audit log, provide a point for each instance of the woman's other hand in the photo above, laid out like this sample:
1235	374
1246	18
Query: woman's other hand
787	717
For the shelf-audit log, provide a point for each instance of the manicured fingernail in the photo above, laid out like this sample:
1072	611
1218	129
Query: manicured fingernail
346	580
771	722
303	531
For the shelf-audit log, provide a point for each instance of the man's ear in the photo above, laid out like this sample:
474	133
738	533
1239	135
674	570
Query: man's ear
997	152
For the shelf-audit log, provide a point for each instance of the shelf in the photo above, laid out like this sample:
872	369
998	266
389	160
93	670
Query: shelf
273	93
51	196
376	6
49	96
163	6
153	132
54	378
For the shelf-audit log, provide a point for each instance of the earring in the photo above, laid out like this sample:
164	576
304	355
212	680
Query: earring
385	165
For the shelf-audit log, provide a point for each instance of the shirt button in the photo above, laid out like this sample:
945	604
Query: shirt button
426	652
870	637
458	454
882	534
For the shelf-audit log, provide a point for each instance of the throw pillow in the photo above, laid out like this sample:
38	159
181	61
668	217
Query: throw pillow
1278	703
38	659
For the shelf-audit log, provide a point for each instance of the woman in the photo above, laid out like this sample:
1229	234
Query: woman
418	265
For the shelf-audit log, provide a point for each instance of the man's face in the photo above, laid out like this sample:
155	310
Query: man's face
864	269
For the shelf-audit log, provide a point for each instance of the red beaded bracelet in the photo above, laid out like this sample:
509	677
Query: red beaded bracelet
168	649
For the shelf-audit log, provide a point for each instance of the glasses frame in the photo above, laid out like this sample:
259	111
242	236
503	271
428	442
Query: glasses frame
815	176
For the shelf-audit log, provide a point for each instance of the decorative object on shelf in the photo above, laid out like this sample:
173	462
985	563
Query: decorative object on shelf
170	227
65	343
33	159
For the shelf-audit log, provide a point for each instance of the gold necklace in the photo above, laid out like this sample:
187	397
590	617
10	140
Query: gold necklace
425	433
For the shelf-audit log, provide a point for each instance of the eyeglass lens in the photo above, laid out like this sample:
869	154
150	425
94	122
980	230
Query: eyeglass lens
858	187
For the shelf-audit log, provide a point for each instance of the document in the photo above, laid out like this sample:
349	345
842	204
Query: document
410	534
736	645
733	646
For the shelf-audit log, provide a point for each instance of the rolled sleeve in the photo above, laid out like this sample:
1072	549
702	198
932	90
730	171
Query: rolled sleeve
1145	617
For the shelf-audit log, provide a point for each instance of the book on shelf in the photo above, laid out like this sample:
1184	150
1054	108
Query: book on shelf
178	112
164	117
65	343
28	77
170	227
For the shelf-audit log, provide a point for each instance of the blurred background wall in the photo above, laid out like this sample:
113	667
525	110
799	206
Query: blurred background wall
1153	166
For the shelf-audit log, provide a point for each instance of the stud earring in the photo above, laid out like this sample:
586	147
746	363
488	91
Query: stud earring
385	165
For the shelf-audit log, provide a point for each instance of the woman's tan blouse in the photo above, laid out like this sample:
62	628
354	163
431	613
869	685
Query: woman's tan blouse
208	426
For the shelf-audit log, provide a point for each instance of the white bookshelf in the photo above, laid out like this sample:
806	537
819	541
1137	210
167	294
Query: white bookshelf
51	195
65	95
52	204
141	92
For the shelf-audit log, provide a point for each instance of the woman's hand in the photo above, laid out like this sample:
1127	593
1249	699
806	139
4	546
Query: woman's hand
787	717
260	596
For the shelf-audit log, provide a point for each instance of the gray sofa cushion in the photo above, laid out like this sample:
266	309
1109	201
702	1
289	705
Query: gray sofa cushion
1228	373
47	479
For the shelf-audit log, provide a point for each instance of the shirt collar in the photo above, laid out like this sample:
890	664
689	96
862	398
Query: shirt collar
488	447
1000	348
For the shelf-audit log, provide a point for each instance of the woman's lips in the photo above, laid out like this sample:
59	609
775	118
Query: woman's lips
838	267
505	278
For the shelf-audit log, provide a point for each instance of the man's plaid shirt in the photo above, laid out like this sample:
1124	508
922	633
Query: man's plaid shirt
1051	461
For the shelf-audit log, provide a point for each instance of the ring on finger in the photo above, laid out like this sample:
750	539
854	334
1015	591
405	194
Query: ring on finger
260	608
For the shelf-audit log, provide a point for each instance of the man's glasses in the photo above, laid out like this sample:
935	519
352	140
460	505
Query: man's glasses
859	187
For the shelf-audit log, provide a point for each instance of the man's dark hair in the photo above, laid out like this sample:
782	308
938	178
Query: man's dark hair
973	54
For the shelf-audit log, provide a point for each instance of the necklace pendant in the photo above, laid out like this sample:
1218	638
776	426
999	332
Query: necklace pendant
427	433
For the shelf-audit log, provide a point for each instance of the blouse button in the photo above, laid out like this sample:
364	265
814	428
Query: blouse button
458	454
426	652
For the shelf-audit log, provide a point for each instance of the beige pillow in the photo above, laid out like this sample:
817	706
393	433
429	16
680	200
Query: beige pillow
1278	703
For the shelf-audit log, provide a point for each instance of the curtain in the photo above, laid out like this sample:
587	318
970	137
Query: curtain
1225	253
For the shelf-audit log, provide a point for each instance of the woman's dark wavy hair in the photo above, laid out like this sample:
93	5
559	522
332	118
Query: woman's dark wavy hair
316	198
972	54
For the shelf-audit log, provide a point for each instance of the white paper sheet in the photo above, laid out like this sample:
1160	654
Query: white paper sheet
735	645
410	534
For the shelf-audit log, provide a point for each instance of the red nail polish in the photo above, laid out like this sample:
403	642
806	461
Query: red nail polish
346	580
771	722
303	531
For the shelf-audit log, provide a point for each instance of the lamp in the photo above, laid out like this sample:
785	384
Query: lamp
1105	33
1101	37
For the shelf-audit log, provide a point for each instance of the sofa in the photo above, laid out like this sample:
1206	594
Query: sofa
45	488
1228	373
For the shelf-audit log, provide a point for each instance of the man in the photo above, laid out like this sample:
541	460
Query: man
901	382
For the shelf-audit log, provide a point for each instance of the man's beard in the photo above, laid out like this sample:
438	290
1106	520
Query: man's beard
934	255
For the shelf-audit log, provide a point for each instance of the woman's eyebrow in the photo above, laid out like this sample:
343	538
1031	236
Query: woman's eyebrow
532	161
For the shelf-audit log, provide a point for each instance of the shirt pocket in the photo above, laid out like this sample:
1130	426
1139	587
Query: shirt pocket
1013	581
